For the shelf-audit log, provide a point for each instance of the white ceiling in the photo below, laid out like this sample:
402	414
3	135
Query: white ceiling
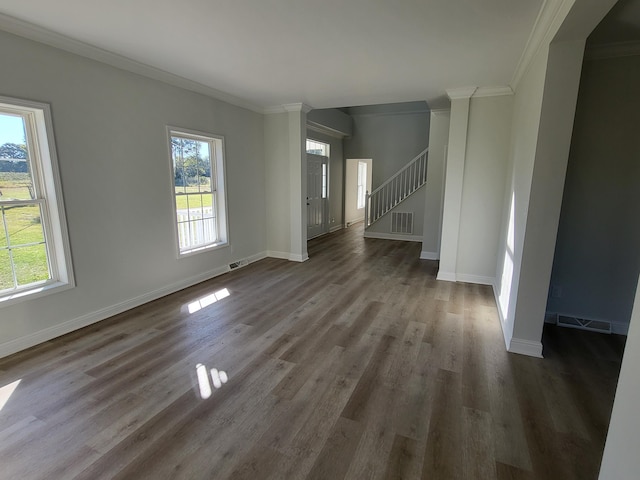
325	53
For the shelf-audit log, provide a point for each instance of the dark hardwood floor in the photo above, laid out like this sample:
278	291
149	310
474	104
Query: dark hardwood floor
355	364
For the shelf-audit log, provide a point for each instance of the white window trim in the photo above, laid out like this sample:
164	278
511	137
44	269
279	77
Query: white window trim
221	190
56	232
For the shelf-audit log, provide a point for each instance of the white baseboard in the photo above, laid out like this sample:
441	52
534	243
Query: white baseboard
353	222
463	277
280	255
525	347
22	343
446	276
292	257
335	228
393	236
429	255
295	257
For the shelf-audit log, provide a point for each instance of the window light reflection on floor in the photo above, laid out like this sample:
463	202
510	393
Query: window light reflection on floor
7	391
218	378
208	300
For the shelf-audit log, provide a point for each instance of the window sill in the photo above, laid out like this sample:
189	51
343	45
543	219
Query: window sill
35	292
206	248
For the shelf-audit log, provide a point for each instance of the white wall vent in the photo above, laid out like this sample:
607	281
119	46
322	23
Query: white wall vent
402	222
602	326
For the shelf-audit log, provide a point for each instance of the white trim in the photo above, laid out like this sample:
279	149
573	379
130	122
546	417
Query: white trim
446	276
48	37
479	279
274	109
316	127
393	236
296	257
612	50
279	255
255	258
218	152
335	228
492	92
44	161
296	107
550	17
441	111
525	347
461	93
429	255
353	222
21	343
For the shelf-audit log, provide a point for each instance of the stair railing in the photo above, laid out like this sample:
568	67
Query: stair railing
397	188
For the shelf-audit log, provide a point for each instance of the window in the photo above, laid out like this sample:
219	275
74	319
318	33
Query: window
197	161
317	148
362	184
34	246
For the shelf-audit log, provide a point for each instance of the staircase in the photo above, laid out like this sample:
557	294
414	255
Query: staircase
396	189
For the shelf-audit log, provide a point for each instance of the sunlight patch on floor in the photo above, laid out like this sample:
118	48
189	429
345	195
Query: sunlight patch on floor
208	300
7	391
218	378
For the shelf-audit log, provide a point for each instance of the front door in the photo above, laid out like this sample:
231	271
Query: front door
317	201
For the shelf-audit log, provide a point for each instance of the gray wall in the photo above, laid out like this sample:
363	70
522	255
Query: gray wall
390	139
110	128
597	259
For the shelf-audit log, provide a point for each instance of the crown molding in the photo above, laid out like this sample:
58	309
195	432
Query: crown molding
42	35
492	92
316	127
612	50
273	110
550	17
461	93
441	111
296	107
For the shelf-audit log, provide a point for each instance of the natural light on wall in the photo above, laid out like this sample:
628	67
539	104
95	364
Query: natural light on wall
208	300
507	267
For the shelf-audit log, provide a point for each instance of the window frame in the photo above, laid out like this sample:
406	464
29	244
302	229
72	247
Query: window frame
219	192
362	185
45	175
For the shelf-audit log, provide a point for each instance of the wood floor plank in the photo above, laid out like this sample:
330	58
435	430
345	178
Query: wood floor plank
355	364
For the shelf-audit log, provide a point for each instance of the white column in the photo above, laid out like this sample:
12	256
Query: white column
456	153
438	141
297	116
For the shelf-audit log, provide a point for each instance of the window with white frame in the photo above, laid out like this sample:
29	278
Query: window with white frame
362	184
34	247
197	161
317	148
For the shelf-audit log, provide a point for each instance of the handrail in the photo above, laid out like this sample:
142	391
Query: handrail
396	189
399	172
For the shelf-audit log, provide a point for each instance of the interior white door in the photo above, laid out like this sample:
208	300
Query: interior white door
317	190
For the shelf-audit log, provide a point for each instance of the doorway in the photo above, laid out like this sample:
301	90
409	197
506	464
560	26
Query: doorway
357	184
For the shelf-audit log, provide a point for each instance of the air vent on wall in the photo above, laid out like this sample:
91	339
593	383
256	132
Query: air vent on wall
601	326
402	222
239	263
